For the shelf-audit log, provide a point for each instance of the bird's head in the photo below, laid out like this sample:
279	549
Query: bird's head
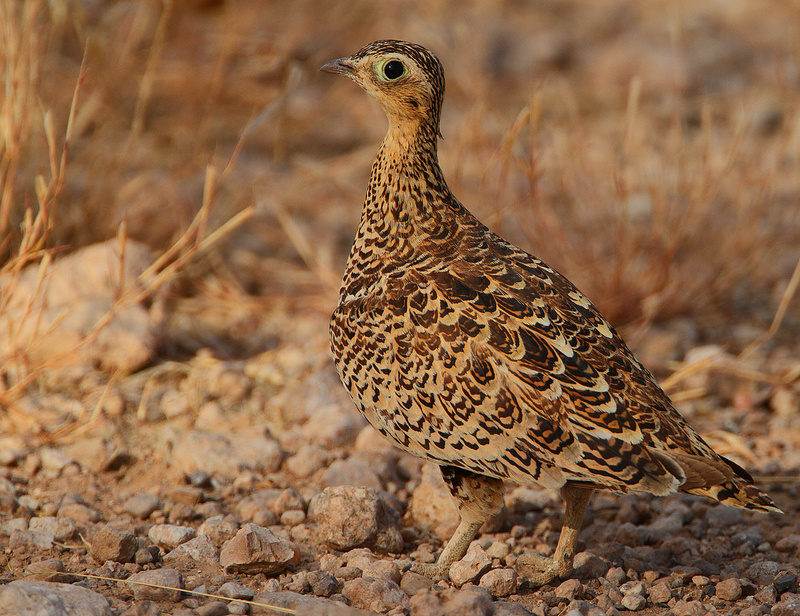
406	79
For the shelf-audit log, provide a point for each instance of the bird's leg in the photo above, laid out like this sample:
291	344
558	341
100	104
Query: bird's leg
560	564
478	498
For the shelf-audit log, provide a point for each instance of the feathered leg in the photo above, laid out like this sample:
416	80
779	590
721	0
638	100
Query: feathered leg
478	498
560	564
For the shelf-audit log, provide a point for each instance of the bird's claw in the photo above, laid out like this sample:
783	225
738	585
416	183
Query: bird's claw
544	569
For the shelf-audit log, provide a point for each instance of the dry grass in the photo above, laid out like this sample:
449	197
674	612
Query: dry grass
650	152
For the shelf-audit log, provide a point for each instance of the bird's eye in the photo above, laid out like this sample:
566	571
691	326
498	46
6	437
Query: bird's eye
394	69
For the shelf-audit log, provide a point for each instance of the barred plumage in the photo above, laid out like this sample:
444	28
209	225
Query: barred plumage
465	350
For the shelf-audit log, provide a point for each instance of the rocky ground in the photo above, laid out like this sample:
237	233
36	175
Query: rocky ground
172	427
257	480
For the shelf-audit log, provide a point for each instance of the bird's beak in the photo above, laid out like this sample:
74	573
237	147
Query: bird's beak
342	66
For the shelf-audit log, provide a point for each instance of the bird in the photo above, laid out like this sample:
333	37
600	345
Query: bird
465	350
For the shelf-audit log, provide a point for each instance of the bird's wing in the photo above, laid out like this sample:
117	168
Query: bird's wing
512	372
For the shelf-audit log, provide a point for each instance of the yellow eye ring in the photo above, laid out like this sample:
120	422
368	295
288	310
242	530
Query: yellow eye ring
391	70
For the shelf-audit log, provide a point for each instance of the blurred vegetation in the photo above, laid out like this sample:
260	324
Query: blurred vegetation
650	151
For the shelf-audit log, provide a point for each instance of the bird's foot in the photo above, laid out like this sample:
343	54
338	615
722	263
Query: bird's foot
434	571
544	569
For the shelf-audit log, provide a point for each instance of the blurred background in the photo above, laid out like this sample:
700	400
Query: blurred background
649	151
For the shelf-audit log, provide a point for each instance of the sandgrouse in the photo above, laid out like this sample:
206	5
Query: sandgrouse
465	350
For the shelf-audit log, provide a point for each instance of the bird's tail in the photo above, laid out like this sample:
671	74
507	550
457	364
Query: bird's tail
737	490
738	493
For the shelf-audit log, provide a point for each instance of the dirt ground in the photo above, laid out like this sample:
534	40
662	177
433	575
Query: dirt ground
649	151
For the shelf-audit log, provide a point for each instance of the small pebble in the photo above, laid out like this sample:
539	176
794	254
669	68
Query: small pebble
473	565
789	605
785	582
142	505
659	593
347	573
112	544
767	595
170	536
700	580
232	590
616	576
214	608
322	583
293	517
689	608
729	590
498	549
237	608
412	583
633	602
499	582
569	589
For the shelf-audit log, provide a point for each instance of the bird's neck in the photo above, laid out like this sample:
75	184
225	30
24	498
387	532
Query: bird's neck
407	204
407	189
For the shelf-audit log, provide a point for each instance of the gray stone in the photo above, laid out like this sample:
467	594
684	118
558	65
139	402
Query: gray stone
30	539
331	427
170	582
470	601
289	500
322	583
616	576
569	589
634	587
507	608
142	505
349	517
50	570
79	512
474	564
258	550
307	461
226	454
689	608
729	590
143	608
81	290
723	517
170	536
219	529
785	582
660	593
9	526
377	595
588	566
499	550
383	569
25	598
579	608
62	529
293	517
352	472
306	605
500	582
412	583
198	551
232	590
789	605
767	595
763	572
432	505
633	603
214	608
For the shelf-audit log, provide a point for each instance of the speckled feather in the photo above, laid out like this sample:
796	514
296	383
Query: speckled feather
465	350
